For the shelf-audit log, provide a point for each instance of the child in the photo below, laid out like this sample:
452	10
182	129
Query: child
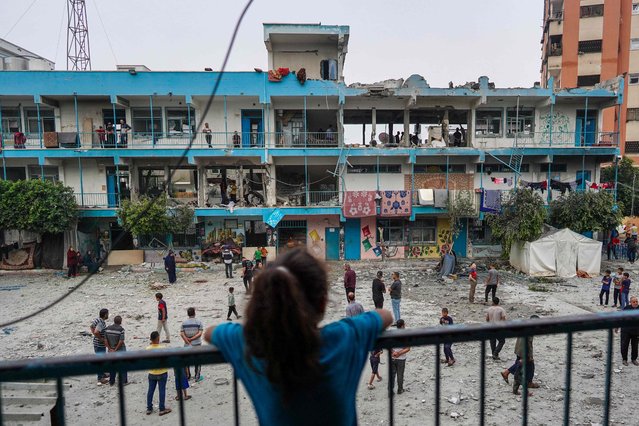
181	385
616	279
605	287
162	317
232	305
448	351
374	360
625	289
472	279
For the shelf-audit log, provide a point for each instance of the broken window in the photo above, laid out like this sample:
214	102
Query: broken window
501	168
634	44
521	122
591	11
183	184
633	79
177	120
423	231
47	120
488	122
151	181
555	45
632	114
479	233
108	116
392	231
50	173
635	8
590	46
587	80
372	168
290	234
144	123
328	69
11	120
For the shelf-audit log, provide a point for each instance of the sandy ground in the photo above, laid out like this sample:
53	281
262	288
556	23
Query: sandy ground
62	331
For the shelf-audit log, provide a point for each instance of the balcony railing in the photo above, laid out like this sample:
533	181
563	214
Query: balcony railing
97	199
58	368
305	139
545	139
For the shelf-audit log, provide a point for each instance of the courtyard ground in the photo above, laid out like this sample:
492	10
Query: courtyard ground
64	329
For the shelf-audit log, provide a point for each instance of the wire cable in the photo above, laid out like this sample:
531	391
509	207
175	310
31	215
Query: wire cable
155	198
105	32
57	45
20	18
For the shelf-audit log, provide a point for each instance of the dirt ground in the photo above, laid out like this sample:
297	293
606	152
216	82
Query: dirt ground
63	330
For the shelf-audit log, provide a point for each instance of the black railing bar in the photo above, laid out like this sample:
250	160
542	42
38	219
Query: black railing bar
606	416
78	365
236	402
482	384
427	336
178	378
437	382
524	382
391	406
59	404
1	418
121	397
568	383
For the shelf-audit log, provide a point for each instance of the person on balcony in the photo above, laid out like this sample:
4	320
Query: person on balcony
330	133
291	368
101	136
207	134
124	134
237	139
457	138
110	135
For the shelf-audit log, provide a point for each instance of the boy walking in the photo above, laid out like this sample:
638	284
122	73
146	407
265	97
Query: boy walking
495	314
374	359
98	327
247	274
232	306
605	287
492	281
157	379
448	347
163	315
616	280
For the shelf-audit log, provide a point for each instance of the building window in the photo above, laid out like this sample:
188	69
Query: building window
587	80
590	46
151	181
423	231
47	120
107	115
634	44
635	8
439	168
520	123
183	184
177	120
142	122
11	122
392	231
633	79
591	11
372	168
479	233
554	168
632	114
501	168
50	173
556	45
488	123
328	69
632	147
15	173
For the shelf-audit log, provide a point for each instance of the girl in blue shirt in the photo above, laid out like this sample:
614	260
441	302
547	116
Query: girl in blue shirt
292	369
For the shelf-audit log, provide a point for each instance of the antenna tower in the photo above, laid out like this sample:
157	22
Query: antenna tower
78	52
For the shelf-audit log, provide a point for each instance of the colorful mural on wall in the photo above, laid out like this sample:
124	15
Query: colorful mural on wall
426	251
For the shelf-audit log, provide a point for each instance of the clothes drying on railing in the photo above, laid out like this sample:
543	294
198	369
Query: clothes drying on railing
490	201
595	185
395	203
563	186
441	198
359	204
540	186
502	181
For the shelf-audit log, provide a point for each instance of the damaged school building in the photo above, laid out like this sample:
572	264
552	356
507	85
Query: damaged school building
296	157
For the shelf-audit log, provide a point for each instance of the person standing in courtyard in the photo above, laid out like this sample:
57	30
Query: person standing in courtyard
398	364
625	289
169	266
247	274
350	279
492	281
291	368
264	255
98	327
231	303
495	314
114	340
517	368
157	379
257	256
472	280
605	287
631	245
375	359
353	308
616	281
378	290
396	295
72	263
448	347
630	336
163	315
227	258
191	333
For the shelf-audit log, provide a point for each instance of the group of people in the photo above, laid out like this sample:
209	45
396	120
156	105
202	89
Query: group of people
623	245
75	261
108	136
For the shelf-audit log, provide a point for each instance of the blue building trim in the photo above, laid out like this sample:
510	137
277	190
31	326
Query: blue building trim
108	213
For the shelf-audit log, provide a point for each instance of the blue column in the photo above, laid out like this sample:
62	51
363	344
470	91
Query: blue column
447	173
152	121
77	127
305	126
188	117
226	128
39	123
4	164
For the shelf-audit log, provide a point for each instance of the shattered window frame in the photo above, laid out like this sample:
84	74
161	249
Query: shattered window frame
51	173
524	124
485	121
421	228
392	231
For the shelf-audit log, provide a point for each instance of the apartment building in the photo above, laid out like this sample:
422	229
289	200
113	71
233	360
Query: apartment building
294	156
586	42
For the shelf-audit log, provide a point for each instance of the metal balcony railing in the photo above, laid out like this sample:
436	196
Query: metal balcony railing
58	368
97	199
547	139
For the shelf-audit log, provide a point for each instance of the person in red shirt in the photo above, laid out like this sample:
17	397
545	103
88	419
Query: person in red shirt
349	280
72	262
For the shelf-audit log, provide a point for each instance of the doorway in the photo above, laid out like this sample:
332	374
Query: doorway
252	128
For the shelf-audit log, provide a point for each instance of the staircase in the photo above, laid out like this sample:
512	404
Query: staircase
516	157
28	402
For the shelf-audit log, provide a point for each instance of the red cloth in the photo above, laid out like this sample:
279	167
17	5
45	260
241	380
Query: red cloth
349	279
359	204
72	258
396	204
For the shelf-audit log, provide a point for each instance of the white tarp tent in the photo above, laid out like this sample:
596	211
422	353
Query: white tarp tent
558	253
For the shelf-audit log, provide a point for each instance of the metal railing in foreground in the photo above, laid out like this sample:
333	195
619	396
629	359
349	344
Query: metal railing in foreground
61	367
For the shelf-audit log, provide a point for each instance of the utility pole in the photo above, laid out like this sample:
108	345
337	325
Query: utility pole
632	204
78	52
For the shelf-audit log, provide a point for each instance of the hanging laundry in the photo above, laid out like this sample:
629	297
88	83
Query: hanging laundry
396	203
441	198
490	201
359	204
500	180
540	186
561	186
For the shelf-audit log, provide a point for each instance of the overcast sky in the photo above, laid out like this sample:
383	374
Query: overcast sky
451	40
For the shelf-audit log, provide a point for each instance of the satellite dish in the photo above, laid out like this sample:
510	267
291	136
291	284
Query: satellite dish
383	137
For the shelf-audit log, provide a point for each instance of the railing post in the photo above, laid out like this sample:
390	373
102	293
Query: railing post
482	383
178	378
391	408
59	403
121	398
524	382
152	122
437	382
236	403
568	379
606	416
39	124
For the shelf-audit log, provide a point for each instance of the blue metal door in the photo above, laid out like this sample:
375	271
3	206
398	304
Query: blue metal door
112	190
586	128
252	129
583	176
331	238
352	239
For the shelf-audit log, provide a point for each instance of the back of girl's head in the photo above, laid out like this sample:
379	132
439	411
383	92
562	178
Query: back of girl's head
288	301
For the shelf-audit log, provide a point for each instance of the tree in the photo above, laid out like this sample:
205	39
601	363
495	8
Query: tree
147	216
37	206
181	219
586	211
522	219
460	207
625	175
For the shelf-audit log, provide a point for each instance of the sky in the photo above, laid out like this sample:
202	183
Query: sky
451	40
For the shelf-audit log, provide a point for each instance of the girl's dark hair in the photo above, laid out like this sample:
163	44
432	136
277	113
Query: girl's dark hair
288	301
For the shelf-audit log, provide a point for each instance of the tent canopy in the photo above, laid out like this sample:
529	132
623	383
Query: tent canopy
557	253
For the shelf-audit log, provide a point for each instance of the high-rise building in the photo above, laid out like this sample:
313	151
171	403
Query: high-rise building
585	43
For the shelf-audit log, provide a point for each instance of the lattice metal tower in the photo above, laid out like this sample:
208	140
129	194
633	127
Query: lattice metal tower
78	52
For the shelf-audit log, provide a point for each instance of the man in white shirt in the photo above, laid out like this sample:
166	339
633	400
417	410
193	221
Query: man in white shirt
191	333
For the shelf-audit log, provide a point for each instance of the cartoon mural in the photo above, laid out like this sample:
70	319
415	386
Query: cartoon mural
560	126
444	240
